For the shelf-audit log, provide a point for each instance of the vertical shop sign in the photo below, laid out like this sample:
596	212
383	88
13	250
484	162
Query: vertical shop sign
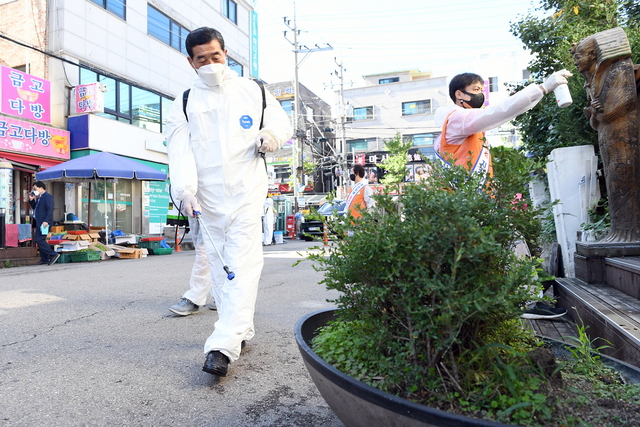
87	98
254	44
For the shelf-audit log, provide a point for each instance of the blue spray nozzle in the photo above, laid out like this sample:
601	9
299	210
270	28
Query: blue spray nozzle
230	274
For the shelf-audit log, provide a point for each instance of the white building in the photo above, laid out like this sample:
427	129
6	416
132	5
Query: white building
135	49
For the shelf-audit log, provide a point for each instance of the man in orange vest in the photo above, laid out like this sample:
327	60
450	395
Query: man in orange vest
462	140
359	198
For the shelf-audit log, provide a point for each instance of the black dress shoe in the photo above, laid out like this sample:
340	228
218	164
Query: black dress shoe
42	263
216	364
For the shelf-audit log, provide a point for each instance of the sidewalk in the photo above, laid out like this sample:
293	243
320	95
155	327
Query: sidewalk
94	344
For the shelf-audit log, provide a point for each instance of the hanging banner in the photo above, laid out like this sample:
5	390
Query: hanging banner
33	139
24	95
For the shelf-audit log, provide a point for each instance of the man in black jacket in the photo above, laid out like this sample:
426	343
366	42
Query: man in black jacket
42	204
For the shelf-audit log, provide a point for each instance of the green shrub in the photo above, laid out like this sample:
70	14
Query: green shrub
426	284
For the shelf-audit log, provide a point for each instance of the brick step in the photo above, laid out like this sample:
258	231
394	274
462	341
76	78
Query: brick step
608	313
623	273
16	262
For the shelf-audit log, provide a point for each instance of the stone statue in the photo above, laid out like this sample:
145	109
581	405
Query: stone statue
611	83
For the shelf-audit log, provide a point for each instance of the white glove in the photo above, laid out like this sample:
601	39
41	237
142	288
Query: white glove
190	204
266	143
556	79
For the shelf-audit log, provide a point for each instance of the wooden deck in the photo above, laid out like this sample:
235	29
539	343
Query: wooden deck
558	329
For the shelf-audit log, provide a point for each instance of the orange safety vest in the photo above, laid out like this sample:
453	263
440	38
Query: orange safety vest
357	203
480	157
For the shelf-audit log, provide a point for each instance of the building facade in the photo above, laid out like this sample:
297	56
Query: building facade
134	51
312	144
390	104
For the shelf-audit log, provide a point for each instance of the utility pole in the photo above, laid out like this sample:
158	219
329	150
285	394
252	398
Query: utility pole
343	148
298	138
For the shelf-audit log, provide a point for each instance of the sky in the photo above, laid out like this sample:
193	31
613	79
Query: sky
376	36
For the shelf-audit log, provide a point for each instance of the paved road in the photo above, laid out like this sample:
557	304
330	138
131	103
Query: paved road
93	344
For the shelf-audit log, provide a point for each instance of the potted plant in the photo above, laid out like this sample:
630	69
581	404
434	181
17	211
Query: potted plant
428	312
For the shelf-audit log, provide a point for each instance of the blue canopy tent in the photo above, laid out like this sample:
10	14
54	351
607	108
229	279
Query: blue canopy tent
107	167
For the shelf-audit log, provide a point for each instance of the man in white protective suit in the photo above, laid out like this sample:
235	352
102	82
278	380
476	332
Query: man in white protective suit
214	145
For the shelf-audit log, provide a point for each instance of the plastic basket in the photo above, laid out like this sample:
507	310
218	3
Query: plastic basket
85	256
154	244
151	239
77	232
64	259
160	251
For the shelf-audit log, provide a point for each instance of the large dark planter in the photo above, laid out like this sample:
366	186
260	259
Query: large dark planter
360	405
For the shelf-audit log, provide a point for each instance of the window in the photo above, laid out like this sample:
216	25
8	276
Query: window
166	30
358	144
493	84
131	104
230	10
389	80
416	107
424	138
117	7
526	74
287	106
235	66
362	113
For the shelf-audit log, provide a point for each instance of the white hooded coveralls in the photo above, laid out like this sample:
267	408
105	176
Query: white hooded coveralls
214	157
268	221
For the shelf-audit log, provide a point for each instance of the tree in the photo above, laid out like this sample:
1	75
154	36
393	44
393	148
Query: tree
549	38
395	165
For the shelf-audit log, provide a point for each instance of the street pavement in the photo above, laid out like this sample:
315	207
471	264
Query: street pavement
94	344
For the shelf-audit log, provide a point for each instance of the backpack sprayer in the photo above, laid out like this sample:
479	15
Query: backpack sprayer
230	274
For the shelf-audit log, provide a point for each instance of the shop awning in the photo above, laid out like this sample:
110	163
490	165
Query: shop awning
29	163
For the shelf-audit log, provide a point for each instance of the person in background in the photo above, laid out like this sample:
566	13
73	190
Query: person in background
360	197
42	203
200	279
268	222
214	143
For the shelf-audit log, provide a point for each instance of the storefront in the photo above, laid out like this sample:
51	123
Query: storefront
137	207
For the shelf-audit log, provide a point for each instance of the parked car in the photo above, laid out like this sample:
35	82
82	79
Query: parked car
313	227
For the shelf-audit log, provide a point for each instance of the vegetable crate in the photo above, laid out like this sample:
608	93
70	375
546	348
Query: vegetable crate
160	251
85	256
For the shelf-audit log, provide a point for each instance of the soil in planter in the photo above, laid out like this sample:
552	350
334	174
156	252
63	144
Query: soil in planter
579	395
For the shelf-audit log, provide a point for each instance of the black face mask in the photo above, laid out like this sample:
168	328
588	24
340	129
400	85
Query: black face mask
352	177
477	99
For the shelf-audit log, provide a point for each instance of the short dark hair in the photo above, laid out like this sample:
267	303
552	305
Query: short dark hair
40	184
202	35
358	170
461	81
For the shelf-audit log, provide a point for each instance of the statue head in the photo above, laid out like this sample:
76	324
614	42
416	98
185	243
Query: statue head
585	55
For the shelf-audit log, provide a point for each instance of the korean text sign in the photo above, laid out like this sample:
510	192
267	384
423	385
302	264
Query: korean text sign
24	95
87	98
33	139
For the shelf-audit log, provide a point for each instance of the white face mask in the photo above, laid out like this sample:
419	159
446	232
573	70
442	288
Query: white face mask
212	74
35	192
